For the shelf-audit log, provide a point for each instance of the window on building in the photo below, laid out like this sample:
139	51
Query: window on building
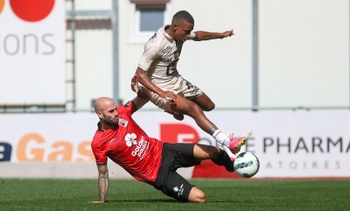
149	15
150	19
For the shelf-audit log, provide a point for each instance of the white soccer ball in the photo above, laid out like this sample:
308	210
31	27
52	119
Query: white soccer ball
246	164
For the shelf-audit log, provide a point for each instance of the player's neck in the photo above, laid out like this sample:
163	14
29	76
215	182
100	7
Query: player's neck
169	30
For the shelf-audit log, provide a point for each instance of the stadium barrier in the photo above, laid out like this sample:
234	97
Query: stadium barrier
289	144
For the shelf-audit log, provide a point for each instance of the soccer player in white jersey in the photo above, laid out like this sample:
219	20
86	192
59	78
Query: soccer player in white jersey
168	89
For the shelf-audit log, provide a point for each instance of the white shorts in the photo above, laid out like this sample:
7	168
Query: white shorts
185	89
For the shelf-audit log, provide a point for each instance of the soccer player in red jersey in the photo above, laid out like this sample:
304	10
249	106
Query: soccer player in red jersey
147	159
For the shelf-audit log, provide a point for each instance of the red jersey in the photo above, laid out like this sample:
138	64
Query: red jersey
129	146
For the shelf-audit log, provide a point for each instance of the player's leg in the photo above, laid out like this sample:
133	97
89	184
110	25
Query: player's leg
176	115
218	156
184	154
179	188
204	102
187	107
141	90
184	106
195	94
172	183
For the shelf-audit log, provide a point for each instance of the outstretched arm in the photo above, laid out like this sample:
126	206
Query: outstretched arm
204	35
103	182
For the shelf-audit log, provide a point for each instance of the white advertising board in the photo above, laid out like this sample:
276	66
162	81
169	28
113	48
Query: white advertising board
32	62
300	144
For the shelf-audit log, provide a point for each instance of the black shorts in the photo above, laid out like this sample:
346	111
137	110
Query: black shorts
169	181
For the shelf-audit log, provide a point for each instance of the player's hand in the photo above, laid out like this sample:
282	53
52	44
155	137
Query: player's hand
228	33
134	84
169	96
96	202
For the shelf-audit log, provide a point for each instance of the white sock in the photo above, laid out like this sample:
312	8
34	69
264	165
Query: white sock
221	138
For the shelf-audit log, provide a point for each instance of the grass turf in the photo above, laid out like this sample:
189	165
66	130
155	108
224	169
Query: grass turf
67	194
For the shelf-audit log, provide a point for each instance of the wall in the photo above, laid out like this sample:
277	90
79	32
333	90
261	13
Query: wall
303	52
221	64
289	144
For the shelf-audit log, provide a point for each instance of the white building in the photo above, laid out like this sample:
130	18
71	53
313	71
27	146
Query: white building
284	54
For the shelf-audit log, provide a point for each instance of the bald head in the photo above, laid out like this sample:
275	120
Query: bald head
107	112
103	103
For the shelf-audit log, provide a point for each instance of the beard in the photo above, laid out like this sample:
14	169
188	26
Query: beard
111	122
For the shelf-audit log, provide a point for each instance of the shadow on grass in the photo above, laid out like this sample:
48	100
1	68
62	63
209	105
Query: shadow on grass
232	201
139	200
175	201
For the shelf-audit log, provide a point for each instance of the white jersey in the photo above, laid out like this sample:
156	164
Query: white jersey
159	60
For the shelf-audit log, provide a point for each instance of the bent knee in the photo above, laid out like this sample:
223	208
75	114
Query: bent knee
210	106
213	152
202	151
194	110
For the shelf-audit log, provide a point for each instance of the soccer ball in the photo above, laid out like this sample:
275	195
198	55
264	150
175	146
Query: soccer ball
246	164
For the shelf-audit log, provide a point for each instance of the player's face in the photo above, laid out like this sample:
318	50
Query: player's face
182	31
110	115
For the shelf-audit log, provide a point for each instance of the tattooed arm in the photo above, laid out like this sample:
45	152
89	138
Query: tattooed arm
103	181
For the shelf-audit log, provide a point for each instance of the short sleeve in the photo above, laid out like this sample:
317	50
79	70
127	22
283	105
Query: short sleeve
97	149
192	35
150	54
100	157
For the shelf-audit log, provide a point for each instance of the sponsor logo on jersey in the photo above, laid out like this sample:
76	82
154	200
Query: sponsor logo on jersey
130	139
123	122
141	146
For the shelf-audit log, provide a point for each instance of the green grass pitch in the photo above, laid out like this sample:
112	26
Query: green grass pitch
247	194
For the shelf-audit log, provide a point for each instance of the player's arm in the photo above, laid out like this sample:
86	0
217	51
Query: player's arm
204	35
141	91
103	182
146	82
143	94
